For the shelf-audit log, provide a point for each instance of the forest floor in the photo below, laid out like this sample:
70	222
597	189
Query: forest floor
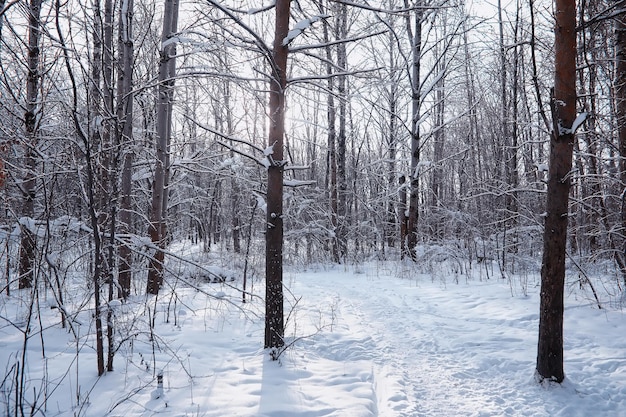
377	339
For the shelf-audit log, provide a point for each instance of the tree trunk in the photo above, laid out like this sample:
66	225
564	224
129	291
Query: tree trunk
512	176
416	46
28	243
92	144
109	191
331	118
550	344
125	135
274	320
342	180
437	183
157	227
402	216
235	188
620	110
392	177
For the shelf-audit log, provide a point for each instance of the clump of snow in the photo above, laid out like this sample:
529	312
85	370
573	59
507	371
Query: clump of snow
301	26
115	304
580	119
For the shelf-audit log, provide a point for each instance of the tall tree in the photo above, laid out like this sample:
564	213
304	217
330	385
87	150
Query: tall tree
274	320
31	120
620	110
341	32
550	344
99	266
415	36
157	226
331	117
125	136
392	138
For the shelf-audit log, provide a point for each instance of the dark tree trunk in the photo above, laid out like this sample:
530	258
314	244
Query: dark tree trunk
620	110
402	216
550	345
416	46
274	320
342	180
125	135
332	148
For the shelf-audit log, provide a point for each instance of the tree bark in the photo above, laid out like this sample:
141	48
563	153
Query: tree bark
392	177
28	243
331	117
274	320
402	216
342	180
550	344
109	191
416	46
437	184
92	143
125	135
157	227
620	110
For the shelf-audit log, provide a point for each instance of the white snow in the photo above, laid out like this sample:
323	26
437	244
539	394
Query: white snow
378	339
269	150
580	119
298	183
301	26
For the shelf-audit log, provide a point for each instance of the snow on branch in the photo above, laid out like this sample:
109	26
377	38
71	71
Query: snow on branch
399	10
336	42
333	75
298	183
301	26
580	119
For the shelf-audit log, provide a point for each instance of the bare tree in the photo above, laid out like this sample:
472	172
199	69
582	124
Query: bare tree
125	136
274	320
415	36
164	119
620	110
550	345
28	243
341	33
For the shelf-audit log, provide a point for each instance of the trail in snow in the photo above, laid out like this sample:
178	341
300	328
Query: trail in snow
384	342
456	351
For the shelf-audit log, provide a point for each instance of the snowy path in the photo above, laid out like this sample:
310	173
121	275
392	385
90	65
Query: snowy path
420	349
384	341
455	351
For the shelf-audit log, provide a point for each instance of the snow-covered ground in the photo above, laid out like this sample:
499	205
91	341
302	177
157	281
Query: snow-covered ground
374	340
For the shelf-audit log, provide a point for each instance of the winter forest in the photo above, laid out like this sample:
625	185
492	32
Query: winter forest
312	208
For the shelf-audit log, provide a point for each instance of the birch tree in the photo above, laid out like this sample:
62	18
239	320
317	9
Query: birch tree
414	30
32	115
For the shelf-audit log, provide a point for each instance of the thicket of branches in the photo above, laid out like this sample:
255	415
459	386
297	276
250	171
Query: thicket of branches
414	129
